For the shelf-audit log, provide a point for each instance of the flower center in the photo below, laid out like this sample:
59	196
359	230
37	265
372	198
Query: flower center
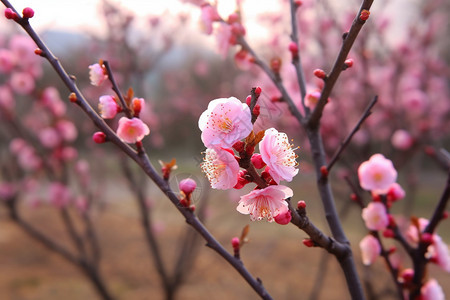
225	125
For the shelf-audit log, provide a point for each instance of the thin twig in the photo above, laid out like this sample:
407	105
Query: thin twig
330	80
347	140
115	88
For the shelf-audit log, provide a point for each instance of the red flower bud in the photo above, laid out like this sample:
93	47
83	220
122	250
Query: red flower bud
388	233
275	64
427	238
354	197
235	243
248	100
324	171
349	63
258	91
187	186
364	15
257	110
308	243
257	161
293	48
239	146
301	204
319	73
99	137
28	12
11	15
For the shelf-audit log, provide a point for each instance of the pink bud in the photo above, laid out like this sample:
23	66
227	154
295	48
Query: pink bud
427	238
349	63
235	242
10	14
319	73
407	275
187	186
28	12
258	91
257	161
293	48
99	137
388	233
283	218
248	100
257	110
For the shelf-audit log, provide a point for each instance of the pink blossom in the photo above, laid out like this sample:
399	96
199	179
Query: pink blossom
7	190
312	98
377	174
402	140
23	48
223	37
221	168
413	232
277	153
132	130
375	216
22	83
243	60
208	16
6	99
96	74
226	121
265	203
439	252
6	61
16	145
69	153
51	99
431	290
370	249
395	192
59	194
138	105
67	130
107	106
49	137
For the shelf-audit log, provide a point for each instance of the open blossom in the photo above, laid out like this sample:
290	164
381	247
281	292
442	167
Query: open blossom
226	121
132	130
277	153
265	203
370	249
312	98
221	168
377	174
97	74
431	290
107	106
208	16
375	216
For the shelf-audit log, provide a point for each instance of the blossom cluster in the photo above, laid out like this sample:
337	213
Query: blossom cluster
379	176
129	130
231	162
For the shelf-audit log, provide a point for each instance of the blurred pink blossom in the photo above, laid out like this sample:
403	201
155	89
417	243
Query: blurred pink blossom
7	61
377	174
440	253
59	194
22	83
226	121
223	37
265	203
51	99
431	290
375	216
402	140
221	168
67	130
370	249
49	137
209	15
132	130
6	99
312	98
277	153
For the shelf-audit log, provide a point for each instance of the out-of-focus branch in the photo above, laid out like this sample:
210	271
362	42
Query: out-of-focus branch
331	78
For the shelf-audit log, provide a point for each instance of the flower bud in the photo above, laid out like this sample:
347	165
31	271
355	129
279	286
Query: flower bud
301	204
308	243
364	15
283	218
28	12
319	73
11	15
235	243
99	137
257	161
187	186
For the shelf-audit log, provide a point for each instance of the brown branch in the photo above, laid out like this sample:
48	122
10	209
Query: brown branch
330	80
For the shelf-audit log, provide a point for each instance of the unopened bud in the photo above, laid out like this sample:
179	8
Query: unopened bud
427	238
301	204
293	48
235	243
28	12
324	171
364	15
319	73
39	52
73	98
11	15
257	110
388	233
248	100
239	146
258	91
308	243
349	63
187	186
99	137
354	197
284	218
257	161
275	64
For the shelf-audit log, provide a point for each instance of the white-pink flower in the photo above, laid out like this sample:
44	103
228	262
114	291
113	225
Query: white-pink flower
377	174
221	168
277	153
107	107
226	121
431	290
208	16
370	249
375	216
97	74
132	130
265	203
